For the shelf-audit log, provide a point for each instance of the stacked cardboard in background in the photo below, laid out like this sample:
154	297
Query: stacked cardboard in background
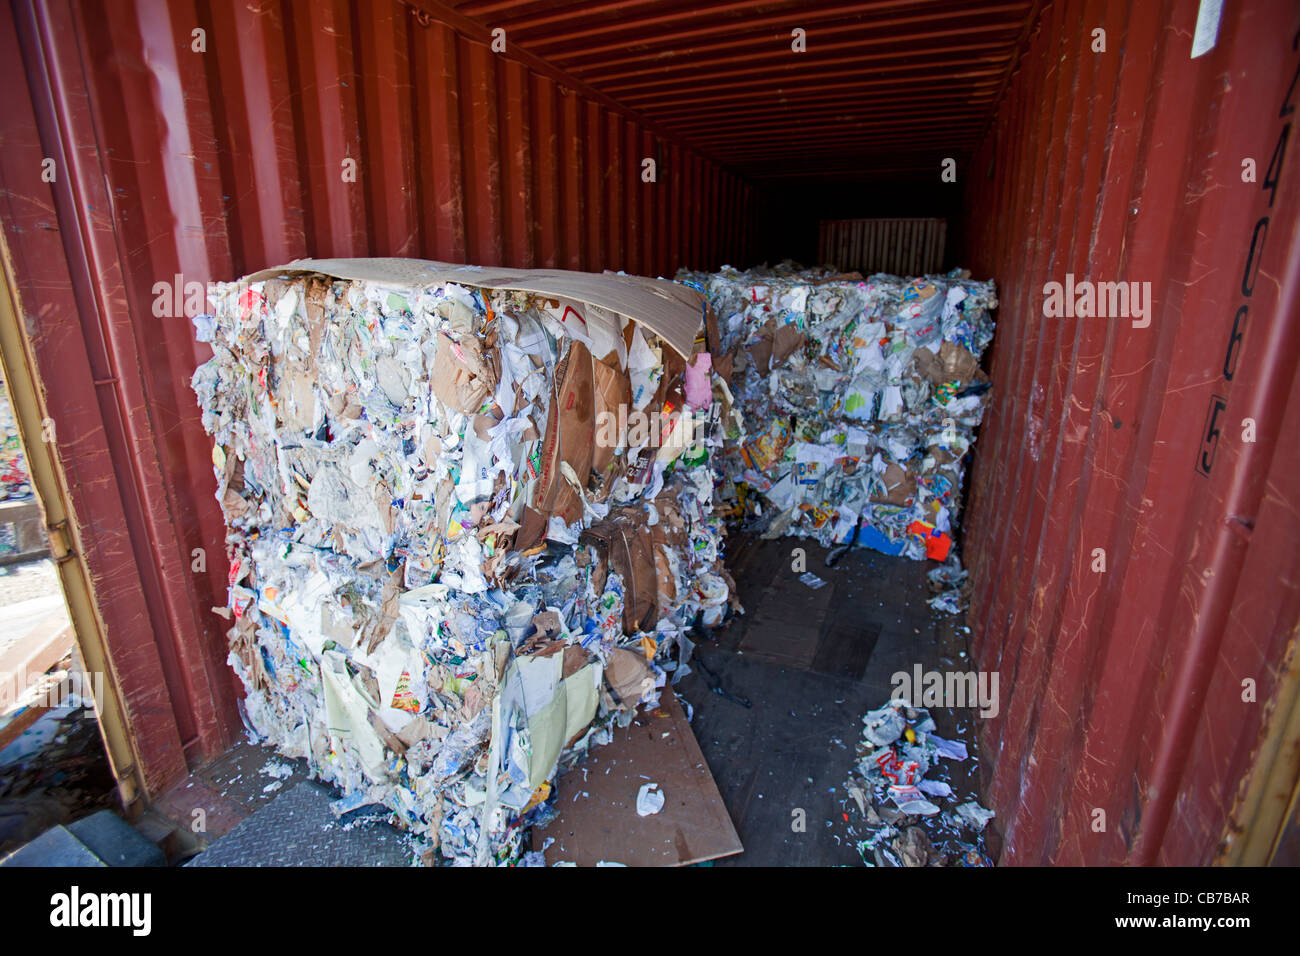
451	567
860	398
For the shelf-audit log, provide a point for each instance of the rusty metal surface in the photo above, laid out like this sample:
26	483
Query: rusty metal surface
881	87
206	164
1125	686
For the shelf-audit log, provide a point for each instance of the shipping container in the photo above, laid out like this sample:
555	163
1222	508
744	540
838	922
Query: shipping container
1133	508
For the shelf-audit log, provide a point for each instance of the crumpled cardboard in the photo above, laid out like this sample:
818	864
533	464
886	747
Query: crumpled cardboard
461	377
952	364
670	310
773	345
629	676
900	486
570	437
624	544
613	391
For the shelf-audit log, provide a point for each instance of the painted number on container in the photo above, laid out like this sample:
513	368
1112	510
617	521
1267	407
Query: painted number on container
1254	252
1210	437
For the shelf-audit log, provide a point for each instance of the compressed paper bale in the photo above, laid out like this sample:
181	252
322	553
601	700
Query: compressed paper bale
881	374
398	465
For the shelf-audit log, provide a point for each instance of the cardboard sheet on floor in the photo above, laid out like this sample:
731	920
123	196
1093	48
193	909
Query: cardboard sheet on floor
598	819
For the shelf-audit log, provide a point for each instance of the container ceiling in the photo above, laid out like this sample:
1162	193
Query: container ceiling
883	89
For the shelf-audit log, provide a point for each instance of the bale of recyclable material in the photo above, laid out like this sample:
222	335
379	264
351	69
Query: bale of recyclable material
452	496
858	401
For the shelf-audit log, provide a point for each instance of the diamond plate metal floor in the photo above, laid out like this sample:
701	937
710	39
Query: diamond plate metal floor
299	829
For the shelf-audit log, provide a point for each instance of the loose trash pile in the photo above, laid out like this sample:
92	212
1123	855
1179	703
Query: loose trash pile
449	571
859	400
951	586
898	750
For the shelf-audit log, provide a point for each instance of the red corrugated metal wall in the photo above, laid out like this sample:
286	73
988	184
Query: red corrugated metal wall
1123	689
216	153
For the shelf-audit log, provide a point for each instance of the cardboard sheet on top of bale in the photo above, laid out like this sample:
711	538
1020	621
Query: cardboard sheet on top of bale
859	400
439	542
668	309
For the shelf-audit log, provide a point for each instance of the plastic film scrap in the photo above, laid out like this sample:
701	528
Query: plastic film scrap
468	529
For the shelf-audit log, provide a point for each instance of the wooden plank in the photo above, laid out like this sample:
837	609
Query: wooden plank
24	719
597	802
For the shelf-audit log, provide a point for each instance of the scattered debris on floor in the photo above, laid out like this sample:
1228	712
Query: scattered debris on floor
951	587
896	755
53	773
277	769
647	798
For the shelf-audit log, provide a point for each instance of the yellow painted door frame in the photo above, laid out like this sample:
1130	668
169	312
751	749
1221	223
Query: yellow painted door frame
50	486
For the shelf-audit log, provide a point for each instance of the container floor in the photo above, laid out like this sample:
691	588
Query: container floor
812	662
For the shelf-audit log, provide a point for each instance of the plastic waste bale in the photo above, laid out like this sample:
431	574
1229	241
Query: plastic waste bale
449	573
858	400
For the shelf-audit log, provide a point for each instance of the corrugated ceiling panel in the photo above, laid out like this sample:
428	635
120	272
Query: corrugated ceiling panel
782	89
